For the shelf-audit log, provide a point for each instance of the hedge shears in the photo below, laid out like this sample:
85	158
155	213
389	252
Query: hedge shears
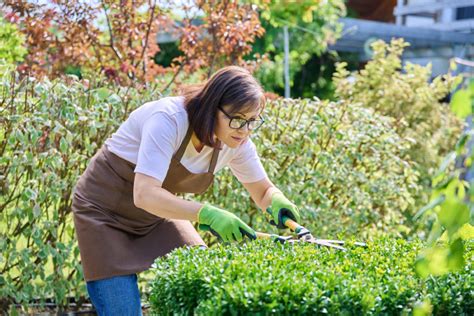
304	235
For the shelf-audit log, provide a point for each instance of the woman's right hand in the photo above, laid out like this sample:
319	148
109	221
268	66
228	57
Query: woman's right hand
223	224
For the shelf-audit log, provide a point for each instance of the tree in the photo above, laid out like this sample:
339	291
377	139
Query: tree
313	25
11	43
64	33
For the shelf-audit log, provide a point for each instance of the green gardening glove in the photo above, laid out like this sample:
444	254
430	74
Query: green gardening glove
225	225
280	207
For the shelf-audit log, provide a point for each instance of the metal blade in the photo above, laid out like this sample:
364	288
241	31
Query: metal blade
309	238
340	242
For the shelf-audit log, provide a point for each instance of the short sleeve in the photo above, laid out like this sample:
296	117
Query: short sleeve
157	145
246	165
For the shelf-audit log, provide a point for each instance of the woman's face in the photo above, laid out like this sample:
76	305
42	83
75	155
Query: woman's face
234	137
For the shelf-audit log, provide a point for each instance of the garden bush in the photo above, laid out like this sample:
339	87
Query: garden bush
263	278
408	94
49	132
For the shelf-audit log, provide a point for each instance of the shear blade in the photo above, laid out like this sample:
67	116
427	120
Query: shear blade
321	242
328	244
340	242
337	242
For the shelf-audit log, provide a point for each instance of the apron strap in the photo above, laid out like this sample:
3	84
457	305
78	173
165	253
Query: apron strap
184	144
215	154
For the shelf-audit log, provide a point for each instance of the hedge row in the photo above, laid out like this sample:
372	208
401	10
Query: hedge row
263	278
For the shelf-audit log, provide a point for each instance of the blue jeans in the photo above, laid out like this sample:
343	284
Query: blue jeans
116	296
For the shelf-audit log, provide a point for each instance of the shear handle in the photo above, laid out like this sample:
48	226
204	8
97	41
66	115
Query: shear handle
294	226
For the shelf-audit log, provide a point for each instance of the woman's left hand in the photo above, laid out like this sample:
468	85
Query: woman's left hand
280	207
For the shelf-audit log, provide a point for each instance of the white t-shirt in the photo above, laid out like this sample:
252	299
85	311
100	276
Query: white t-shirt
153	133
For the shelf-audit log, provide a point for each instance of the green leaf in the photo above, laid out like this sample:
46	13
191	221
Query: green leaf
307	16
453	215
102	93
440	199
436	231
63	145
441	182
432	262
114	99
13	311
448	160
36	211
29	194
466	232
462	141
423	309
456	255
461	103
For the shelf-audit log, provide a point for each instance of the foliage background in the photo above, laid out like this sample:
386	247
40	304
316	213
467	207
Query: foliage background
82	38
357	166
409	95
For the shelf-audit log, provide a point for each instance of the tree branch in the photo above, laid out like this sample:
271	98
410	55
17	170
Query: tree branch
112	45
150	21
174	77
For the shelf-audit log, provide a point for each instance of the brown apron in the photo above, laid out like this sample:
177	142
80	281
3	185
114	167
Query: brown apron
117	238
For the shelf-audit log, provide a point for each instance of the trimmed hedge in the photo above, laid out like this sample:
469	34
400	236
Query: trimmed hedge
263	278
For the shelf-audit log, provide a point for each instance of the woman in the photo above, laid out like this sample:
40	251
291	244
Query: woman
125	210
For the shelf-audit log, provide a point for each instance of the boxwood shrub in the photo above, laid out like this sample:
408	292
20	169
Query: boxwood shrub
263	278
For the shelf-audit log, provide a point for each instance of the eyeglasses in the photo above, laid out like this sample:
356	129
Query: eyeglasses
238	122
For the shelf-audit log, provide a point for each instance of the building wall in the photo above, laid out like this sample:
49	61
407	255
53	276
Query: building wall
446	18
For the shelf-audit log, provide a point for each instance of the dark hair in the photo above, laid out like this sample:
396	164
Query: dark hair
231	85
